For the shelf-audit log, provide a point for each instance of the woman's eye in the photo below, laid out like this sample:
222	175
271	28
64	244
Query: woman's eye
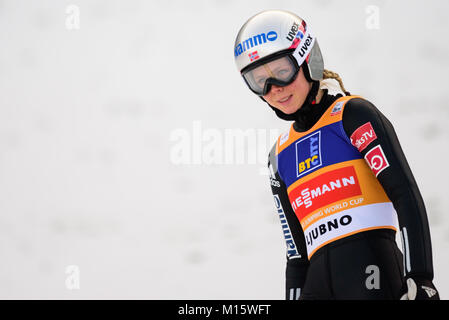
283	72
261	81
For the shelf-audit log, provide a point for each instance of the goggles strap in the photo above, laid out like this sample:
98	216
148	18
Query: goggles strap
271	75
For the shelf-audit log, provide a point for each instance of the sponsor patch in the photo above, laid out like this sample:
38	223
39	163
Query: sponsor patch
376	160
323	190
291	246
363	136
337	108
308	154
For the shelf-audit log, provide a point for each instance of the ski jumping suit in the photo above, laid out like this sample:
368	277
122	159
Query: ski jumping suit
341	186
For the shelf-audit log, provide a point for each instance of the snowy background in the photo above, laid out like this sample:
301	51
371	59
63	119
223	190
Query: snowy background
88	123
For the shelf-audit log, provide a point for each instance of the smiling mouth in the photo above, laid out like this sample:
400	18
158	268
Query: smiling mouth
285	99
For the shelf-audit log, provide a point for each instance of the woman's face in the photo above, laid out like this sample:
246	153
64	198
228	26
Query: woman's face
290	98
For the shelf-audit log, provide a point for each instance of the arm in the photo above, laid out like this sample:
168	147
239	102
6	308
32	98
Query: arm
297	261
373	135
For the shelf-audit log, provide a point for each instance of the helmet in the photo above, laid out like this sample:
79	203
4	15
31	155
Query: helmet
275	33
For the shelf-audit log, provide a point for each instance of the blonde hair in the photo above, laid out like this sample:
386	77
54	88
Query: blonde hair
327	74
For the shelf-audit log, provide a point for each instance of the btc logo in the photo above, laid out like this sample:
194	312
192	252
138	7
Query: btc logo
307	163
308	153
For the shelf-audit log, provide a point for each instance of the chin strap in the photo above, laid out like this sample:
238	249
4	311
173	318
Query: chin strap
305	108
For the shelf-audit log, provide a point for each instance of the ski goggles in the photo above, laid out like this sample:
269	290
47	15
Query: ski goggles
280	71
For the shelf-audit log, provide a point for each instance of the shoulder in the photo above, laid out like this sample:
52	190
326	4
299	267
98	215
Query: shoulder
359	111
360	108
358	105
360	114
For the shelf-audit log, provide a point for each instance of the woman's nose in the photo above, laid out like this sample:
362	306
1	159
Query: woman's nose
276	88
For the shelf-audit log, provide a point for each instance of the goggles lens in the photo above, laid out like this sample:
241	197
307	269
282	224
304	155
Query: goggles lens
281	71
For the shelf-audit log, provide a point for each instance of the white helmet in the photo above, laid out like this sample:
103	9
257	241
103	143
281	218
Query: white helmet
276	33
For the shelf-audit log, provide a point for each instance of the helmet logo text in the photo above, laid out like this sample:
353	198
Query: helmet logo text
292	33
254	41
305	46
303	49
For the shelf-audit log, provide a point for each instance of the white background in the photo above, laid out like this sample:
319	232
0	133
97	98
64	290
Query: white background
86	115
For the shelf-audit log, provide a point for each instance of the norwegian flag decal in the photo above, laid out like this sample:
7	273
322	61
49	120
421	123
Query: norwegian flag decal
253	56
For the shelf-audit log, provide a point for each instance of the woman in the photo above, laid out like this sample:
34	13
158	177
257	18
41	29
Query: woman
340	180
